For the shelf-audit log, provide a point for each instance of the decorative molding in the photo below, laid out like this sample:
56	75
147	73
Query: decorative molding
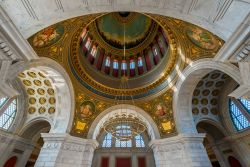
59	5
222	9
29	9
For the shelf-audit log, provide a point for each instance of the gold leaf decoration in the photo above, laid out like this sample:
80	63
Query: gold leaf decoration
47	82
42	110
32	110
32	100
30	91
31	74
40	91
52	100
52	110
37	82
42	100
51	91
27	82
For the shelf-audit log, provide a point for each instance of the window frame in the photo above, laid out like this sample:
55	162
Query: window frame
10	114
238	124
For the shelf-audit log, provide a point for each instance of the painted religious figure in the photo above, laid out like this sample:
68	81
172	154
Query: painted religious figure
161	110
48	36
201	38
87	109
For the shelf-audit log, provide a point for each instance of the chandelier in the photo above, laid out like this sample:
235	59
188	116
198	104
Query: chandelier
124	126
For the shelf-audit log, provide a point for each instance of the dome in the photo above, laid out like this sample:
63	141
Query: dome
150	50
103	55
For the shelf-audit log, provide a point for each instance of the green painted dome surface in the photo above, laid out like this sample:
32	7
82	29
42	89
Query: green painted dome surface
136	26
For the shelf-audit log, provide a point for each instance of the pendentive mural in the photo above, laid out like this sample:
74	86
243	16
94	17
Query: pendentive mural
93	56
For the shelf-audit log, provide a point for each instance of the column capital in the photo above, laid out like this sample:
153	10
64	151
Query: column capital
179	138
181	150
65	137
62	149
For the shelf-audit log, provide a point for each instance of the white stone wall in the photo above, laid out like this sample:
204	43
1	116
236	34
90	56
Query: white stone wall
180	151
218	16
63	150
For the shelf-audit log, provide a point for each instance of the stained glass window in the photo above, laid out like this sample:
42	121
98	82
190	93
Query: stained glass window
107	142
9	113
239	119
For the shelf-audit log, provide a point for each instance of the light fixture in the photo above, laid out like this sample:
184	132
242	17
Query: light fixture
124	126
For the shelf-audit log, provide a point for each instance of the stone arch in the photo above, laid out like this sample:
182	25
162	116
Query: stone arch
65	100
213	123
227	120
212	129
34	128
185	86
102	117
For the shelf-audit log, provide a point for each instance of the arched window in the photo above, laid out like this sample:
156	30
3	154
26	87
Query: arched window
93	51
239	113
139	142
84	33
140	64
115	64
88	43
124	65
107	142
9	107
107	62
124	144
246	104
132	64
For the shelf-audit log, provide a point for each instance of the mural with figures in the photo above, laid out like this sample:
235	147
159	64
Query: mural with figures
48	36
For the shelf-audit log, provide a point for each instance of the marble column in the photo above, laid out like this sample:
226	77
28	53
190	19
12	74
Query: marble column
66	151
181	150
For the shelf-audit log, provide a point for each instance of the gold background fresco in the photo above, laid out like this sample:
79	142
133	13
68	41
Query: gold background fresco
194	42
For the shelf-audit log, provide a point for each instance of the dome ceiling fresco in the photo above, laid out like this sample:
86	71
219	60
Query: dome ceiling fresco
136	27
158	49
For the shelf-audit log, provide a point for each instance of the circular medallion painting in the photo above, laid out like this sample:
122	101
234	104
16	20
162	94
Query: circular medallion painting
48	36
86	110
160	110
202	38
